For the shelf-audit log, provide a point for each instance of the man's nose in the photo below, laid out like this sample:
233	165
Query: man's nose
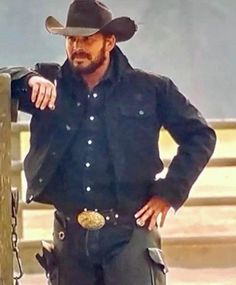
78	44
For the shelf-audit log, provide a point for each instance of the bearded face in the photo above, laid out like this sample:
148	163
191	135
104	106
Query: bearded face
86	54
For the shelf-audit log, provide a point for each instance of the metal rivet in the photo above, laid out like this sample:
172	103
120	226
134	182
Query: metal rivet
54	153
91	118
141	112
116	216
95	95
85	209
107	218
78	104
61	235
90	142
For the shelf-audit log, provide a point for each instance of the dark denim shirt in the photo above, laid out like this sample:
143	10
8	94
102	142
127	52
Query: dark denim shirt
86	168
137	105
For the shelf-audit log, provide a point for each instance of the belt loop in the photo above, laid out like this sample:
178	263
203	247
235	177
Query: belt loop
61	218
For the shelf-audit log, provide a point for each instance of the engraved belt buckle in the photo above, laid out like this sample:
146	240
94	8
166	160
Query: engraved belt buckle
91	220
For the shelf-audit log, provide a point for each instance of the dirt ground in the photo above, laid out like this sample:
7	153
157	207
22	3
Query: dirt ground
176	276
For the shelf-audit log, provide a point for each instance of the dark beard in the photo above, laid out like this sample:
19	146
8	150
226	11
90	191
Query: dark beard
94	65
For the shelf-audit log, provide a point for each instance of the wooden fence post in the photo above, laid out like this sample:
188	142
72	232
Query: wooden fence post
6	256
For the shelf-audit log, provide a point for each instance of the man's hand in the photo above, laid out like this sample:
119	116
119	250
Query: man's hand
43	92
150	212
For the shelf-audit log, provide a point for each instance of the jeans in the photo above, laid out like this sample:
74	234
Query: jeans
114	255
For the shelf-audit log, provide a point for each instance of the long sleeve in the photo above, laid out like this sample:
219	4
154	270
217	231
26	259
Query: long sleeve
19	85
196	143
16	73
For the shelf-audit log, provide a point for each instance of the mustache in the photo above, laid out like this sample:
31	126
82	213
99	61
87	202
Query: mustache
80	54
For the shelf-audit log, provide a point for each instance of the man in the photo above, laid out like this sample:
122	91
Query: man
95	155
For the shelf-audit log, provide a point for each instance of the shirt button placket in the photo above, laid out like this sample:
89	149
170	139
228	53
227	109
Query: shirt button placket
90	141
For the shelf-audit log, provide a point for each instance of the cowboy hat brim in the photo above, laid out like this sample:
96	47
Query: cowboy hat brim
123	28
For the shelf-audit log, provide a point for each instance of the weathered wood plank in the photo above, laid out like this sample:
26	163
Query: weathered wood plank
218	124
17	165
210	201
189	252
191	202
6	259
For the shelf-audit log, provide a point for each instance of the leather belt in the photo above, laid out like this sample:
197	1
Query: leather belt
97	219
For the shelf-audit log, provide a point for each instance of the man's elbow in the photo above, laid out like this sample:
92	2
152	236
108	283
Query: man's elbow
210	141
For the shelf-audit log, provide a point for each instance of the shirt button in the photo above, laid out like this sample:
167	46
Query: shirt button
88	189
95	95
87	164
141	112
90	142
40	180
91	118
68	128
31	198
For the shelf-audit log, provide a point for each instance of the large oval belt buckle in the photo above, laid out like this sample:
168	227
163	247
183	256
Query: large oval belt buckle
91	220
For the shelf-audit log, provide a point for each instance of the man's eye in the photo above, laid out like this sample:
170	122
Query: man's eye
71	39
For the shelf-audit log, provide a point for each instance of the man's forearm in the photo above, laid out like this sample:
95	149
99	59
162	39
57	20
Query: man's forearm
30	90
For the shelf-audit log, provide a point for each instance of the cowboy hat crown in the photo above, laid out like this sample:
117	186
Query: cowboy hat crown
87	17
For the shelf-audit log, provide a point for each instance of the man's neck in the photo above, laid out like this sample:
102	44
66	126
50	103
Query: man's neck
94	78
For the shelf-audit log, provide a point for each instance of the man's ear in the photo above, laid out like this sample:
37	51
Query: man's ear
110	42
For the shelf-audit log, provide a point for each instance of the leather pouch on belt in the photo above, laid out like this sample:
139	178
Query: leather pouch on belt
48	261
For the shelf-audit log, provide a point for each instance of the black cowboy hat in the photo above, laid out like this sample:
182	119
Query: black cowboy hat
87	17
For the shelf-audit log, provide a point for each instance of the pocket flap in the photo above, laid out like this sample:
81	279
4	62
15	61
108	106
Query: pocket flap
137	110
157	256
47	260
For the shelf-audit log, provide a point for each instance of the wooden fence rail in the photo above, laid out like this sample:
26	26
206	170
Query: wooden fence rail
227	124
6	263
17	166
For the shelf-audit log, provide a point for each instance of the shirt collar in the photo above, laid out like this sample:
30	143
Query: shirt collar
118	67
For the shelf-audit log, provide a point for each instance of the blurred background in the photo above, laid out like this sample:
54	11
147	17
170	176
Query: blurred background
191	41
